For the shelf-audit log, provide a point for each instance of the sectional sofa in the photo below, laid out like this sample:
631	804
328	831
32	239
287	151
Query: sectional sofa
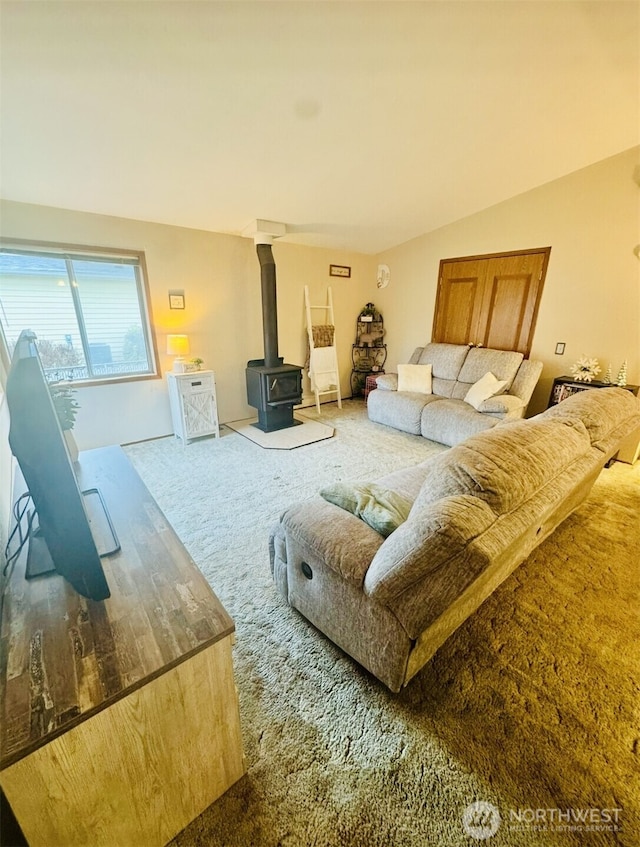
448	392
448	531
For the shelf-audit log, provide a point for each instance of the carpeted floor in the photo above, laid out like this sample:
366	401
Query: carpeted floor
532	705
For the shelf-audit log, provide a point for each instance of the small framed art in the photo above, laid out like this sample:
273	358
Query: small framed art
176	299
339	270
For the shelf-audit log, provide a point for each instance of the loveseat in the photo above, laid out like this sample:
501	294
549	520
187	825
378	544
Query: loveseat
448	392
390	598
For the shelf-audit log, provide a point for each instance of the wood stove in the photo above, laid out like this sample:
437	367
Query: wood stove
274	392
273	387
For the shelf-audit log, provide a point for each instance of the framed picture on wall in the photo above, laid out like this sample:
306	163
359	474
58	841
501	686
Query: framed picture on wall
176	299
339	270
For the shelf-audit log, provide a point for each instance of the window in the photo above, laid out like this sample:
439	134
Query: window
88	310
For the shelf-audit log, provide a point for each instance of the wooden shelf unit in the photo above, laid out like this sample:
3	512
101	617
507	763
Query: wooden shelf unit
369	353
565	386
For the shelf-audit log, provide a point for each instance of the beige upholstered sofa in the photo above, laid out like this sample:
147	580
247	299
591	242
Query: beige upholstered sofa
475	512
451	371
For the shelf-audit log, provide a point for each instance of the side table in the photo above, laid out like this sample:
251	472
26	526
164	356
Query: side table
565	386
370	382
194	407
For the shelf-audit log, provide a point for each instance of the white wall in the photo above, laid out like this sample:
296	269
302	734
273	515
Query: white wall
220	275
591	298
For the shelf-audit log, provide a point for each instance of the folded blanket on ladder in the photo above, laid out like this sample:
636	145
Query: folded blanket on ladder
323	368
322	337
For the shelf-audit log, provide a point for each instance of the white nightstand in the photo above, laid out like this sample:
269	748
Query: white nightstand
194	409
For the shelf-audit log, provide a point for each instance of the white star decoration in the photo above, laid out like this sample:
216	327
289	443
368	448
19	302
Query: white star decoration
585	369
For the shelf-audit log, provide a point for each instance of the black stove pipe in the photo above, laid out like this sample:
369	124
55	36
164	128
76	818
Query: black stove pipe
269	305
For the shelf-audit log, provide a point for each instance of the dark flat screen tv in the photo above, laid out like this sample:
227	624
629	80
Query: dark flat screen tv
37	442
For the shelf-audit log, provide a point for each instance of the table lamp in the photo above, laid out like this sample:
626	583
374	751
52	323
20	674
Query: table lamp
178	346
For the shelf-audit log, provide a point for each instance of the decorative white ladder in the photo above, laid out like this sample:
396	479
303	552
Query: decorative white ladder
323	361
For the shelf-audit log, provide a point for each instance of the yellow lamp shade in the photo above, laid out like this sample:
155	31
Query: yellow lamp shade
177	345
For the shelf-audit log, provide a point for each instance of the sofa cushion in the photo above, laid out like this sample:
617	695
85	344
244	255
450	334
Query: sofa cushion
507	465
446	361
407	481
452	421
399	409
503	363
486	387
414	378
383	509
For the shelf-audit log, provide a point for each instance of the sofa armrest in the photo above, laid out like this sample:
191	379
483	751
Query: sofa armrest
326	534
526	380
504	406
388	382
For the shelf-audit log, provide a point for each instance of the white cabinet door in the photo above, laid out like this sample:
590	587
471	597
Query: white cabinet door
194	408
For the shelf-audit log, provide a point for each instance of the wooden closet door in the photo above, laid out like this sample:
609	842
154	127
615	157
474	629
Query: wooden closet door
459	301
490	301
511	295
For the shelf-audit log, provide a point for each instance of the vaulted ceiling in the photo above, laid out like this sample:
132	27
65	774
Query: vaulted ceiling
359	125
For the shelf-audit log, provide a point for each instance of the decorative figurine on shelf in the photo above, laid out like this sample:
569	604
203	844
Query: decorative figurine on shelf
368	313
607	377
621	379
585	369
370	331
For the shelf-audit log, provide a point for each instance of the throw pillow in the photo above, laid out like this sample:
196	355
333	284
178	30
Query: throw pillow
487	386
382	510
415	378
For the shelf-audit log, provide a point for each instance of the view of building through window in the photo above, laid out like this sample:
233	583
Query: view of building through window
88	312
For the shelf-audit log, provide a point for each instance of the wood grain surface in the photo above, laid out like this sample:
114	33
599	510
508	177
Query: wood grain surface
64	658
137	773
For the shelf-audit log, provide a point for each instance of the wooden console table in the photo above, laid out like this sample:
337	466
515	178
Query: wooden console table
120	719
565	386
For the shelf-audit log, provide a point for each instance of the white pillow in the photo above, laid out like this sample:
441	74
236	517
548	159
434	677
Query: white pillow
415	378
487	386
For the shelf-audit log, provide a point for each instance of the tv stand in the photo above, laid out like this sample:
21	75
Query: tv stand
39	561
100	523
120	720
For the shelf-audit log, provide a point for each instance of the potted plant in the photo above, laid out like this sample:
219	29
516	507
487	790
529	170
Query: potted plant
368	313
66	408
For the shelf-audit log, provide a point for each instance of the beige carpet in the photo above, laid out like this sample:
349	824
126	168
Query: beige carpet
532	705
